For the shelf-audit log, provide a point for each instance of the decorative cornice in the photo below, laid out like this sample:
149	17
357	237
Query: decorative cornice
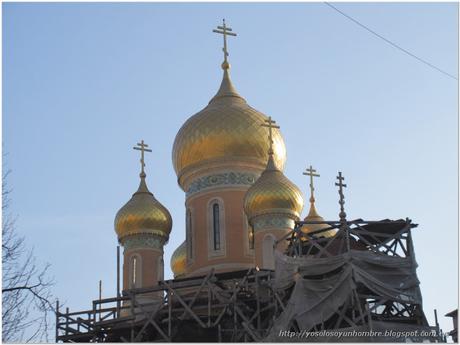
143	242
273	222
223	179
219	165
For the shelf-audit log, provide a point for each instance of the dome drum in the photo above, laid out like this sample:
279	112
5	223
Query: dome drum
273	221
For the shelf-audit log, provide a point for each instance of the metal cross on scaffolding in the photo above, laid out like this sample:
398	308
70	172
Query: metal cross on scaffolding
311	172
224	30
143	148
270	124
341	185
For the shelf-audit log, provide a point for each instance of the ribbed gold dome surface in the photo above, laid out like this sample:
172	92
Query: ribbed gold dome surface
228	129
179	260
273	192
143	214
314	216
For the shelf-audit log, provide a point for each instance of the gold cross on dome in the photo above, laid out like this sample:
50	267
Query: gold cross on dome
224	30
311	172
143	148
270	124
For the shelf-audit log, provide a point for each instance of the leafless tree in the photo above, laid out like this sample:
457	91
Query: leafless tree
26	294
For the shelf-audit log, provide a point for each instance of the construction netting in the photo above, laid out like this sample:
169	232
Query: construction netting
322	285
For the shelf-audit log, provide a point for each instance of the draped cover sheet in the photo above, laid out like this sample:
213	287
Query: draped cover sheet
322	285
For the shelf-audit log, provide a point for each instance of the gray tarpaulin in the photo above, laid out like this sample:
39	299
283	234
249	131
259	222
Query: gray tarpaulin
316	298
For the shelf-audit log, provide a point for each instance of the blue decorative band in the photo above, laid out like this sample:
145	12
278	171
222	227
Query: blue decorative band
143	241
273	222
225	179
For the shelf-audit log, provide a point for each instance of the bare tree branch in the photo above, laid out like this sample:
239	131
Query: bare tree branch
26	294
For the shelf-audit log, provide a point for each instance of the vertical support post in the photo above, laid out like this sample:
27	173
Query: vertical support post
133	301
57	320
369	320
169	312
258	299
100	297
209	306
94	318
219	333
118	281
67	321
437	324
235	319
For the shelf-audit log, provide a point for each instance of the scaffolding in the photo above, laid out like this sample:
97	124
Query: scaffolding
264	305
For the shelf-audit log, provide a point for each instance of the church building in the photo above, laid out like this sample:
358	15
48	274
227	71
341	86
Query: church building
250	268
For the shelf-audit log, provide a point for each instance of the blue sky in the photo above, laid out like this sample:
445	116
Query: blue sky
83	82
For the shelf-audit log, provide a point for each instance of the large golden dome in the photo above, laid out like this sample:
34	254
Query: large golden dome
227	130
273	193
179	260
143	214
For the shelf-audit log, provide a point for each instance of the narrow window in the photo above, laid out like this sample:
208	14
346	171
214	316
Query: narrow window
160	268
268	258
251	237
216	226
189	233
134	270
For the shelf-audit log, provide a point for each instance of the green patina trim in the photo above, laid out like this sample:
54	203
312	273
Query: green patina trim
143	241
225	179
269	221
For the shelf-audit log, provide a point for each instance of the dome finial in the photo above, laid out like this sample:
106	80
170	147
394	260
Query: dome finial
143	148
224	30
270	124
341	185
311	172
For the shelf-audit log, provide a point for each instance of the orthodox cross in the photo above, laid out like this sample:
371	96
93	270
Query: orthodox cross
270	124
224	30
143	148
341	185
311	172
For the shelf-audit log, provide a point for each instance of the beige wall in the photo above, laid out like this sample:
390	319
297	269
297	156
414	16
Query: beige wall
259	245
148	270
234	253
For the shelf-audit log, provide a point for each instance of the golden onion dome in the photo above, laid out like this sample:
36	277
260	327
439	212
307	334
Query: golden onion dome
273	193
227	130
179	260
314	216
143	214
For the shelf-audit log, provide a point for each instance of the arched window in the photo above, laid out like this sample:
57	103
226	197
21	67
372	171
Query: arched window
189	235
251	237
135	271
215	218
216	225
268	257
160	268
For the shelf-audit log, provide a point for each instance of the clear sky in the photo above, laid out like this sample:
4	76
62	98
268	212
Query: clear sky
82	83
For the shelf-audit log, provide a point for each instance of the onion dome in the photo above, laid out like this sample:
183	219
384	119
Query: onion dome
225	132
273	193
143	214
314	216
179	260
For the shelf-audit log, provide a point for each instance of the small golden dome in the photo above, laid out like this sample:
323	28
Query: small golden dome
143	214
273	193
227	130
179	260
314	216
